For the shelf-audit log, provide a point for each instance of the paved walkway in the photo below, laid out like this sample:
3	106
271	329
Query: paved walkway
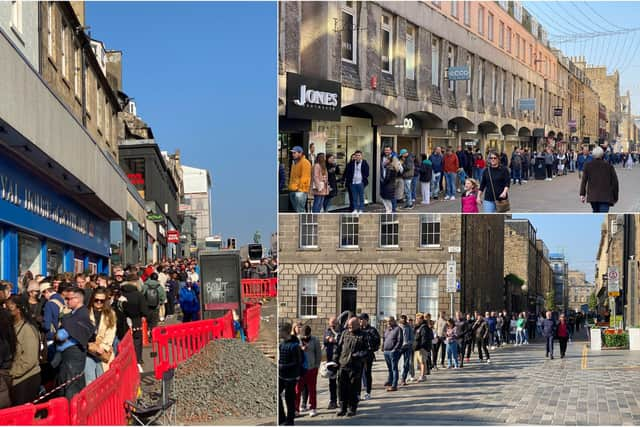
520	386
559	195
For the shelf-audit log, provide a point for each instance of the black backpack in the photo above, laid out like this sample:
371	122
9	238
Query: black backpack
373	338
152	296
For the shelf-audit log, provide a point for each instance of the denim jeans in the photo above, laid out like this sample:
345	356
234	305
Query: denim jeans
452	354
318	202
435	184
407	355
477	174
298	201
358	196
92	369
414	187
488	207
327	203
392	358
451	184
600	207
520	339
408	201
516	175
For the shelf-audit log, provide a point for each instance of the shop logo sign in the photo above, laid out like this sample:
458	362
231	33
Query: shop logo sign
313	99
316	97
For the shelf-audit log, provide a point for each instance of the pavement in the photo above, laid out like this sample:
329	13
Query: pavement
519	386
559	195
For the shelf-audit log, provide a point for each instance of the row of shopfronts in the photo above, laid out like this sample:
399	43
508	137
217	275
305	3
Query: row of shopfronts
316	120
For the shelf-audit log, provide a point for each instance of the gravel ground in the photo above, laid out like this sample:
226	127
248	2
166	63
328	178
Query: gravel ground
241	383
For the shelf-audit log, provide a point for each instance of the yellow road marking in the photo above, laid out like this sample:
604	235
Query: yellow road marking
585	351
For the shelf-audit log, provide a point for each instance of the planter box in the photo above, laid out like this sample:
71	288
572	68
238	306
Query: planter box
634	339
596	340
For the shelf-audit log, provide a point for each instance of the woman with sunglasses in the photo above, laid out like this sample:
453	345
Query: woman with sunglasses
494	184
100	351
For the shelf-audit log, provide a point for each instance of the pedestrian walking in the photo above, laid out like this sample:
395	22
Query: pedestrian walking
290	359
599	185
451	167
451	341
408	339
563	335
372	339
494	186
548	332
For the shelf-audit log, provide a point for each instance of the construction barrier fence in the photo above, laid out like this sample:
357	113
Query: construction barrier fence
251	318
256	289
100	403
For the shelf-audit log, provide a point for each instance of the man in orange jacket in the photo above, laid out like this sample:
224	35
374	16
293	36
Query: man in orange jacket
299	180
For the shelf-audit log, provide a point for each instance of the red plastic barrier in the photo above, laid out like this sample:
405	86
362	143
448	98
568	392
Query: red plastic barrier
255	289
251	319
273	287
52	413
175	343
102	401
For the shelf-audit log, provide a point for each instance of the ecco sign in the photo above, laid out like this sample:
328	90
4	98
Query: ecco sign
458	73
313	99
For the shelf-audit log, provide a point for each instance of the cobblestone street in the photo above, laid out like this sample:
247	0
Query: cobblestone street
520	386
559	195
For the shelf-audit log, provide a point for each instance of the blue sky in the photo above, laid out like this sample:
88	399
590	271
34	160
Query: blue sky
203	76
620	50
577	235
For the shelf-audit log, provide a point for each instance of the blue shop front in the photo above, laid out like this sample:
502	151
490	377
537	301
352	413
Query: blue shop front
44	231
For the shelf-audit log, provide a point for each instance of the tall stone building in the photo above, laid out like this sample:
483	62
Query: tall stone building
546	272
580	290
627	125
608	88
522	267
383	67
560	268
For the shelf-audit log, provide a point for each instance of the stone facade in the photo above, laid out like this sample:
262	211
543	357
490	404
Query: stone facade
521	260
330	262
310	44
69	66
579	290
19	22
608	88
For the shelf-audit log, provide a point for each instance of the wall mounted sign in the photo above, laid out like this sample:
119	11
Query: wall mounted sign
313	99
458	73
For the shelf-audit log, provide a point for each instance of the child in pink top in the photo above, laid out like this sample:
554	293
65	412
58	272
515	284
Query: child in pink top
469	198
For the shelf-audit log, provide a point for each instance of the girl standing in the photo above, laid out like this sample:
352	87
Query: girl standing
451	341
333	170
469	199
426	174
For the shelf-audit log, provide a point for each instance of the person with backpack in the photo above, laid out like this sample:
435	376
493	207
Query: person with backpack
372	339
290	361
189	302
155	296
426	174
133	308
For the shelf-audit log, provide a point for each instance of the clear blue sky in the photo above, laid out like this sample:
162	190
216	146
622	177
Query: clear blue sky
577	235
621	51
203	76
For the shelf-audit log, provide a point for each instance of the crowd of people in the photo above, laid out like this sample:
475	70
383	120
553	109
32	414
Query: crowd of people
266	268
59	333
424	344
481	184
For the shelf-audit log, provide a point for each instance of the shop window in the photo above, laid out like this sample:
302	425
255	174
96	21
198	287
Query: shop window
78	265
430	230
349	32
428	295
93	268
308	296
308	231
389	230
55	257
16	15
29	255
349	225
410	47
387	41
387	295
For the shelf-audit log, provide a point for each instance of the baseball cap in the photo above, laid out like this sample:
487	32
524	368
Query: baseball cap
297	149
403	151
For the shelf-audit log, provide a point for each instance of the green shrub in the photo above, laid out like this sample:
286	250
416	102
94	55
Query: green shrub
616	340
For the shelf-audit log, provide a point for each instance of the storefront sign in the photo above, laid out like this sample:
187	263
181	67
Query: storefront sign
136	178
458	73
527	104
155	217
557	112
36	206
173	236
313	99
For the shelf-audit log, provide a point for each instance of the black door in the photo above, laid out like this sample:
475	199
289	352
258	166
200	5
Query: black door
349	294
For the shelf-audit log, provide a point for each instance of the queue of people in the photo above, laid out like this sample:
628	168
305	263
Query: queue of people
61	332
412	350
